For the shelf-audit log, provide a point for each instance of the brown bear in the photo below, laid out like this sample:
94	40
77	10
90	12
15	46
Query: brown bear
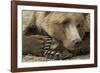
65	30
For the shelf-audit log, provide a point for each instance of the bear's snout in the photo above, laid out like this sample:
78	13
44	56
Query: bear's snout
72	38
77	42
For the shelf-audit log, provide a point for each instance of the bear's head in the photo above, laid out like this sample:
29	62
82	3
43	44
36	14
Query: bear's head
68	28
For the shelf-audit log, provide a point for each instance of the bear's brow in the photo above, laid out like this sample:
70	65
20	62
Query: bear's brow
61	18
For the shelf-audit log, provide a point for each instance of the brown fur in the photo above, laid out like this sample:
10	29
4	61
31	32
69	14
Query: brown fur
64	27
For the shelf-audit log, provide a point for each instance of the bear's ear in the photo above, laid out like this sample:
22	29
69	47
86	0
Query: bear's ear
87	22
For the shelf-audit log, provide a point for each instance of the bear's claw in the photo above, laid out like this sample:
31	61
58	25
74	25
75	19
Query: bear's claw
52	54
57	55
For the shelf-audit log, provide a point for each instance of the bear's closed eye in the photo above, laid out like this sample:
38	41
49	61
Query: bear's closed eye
79	25
66	22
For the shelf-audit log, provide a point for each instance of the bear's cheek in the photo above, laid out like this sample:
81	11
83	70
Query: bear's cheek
66	42
58	34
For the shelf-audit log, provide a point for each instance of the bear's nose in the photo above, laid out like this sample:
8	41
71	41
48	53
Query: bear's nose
77	42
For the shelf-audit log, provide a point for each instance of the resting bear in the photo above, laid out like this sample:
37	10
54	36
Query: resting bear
66	29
